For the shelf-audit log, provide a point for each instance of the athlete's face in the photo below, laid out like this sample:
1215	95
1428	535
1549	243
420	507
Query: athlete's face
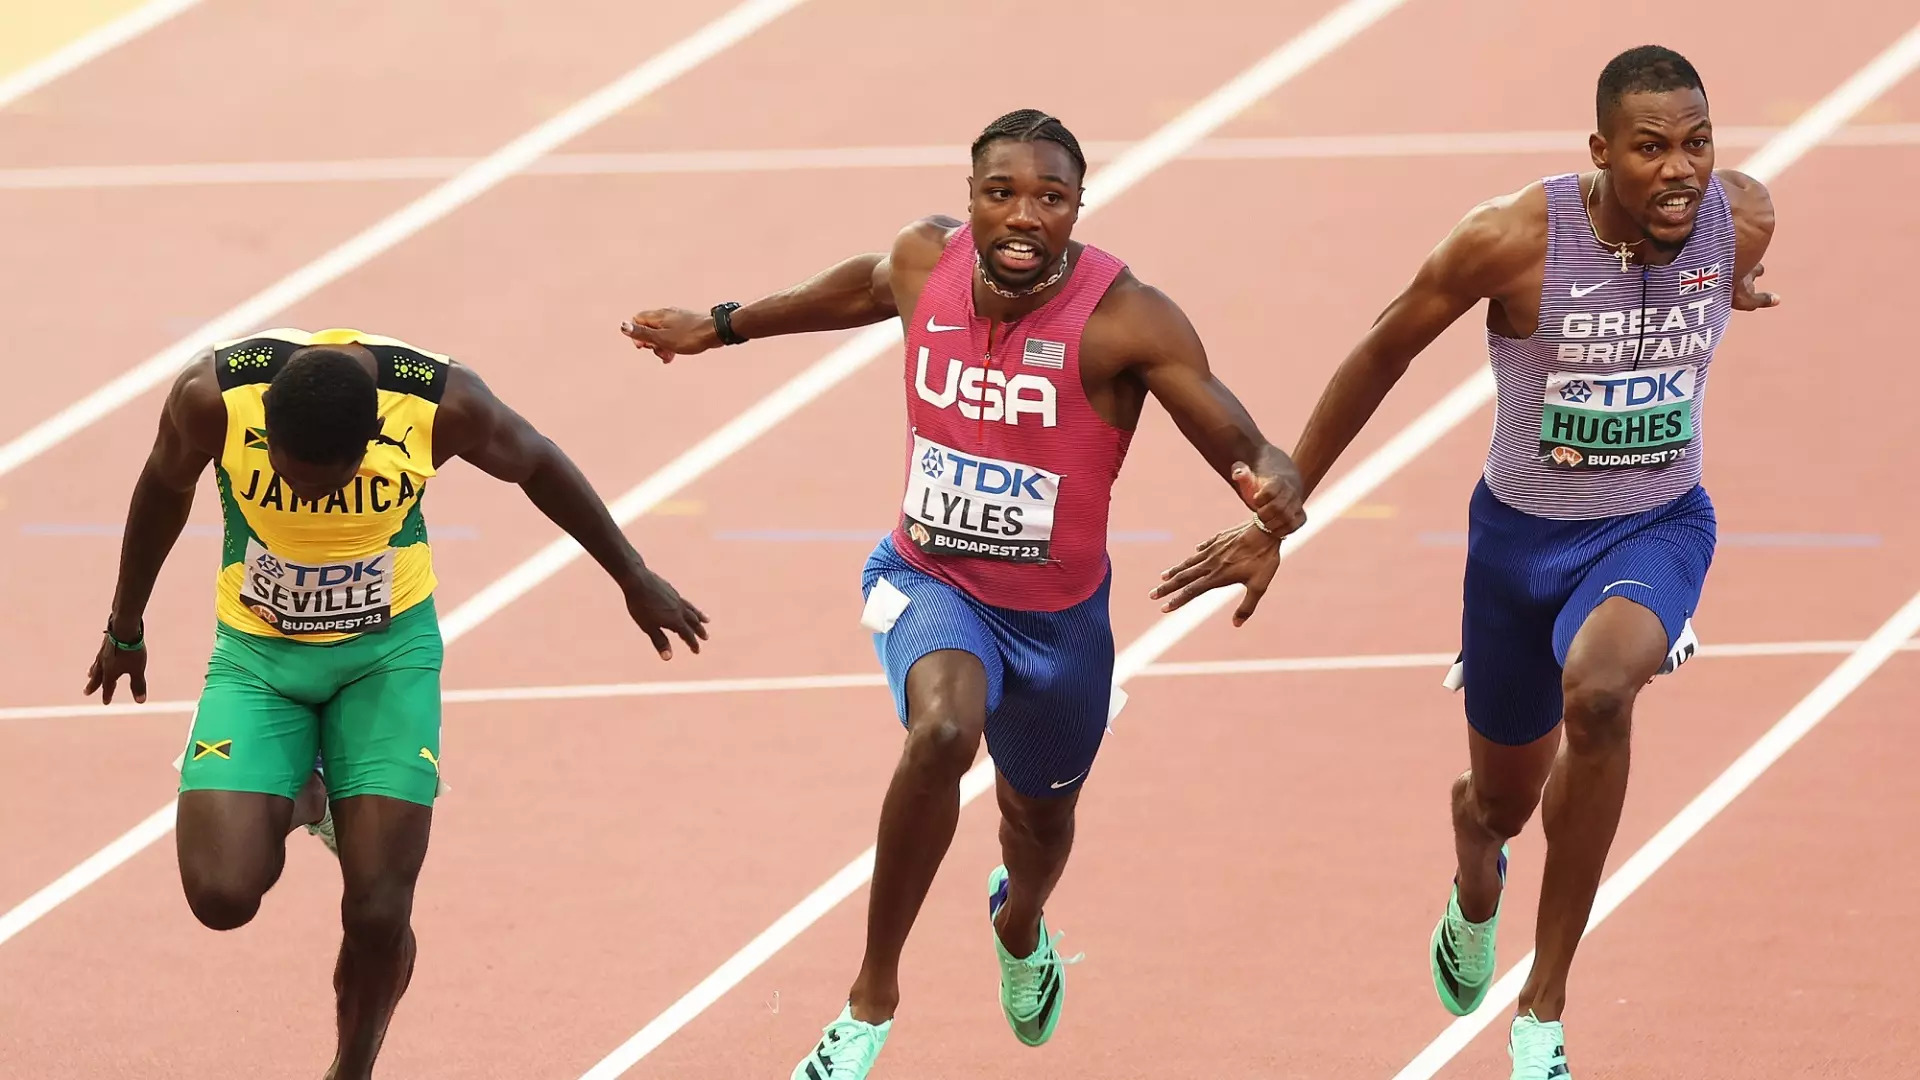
1023	200
1658	153
307	481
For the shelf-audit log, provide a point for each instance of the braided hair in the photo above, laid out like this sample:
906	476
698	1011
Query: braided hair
1027	125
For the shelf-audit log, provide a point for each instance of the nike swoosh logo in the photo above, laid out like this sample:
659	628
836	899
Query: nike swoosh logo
1063	783
935	328
1626	581
1577	292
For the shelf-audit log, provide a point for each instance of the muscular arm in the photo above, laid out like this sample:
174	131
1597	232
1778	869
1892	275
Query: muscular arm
1752	206
854	292
478	427
1487	253
192	428
1166	355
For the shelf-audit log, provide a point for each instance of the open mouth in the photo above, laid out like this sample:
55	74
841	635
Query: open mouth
1018	256
1675	207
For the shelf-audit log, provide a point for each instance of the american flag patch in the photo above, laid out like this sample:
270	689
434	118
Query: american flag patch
1046	354
1700	280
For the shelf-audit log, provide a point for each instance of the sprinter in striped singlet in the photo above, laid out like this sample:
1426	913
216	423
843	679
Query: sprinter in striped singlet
1590	533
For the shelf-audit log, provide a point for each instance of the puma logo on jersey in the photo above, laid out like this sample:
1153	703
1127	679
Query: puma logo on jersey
401	443
987	393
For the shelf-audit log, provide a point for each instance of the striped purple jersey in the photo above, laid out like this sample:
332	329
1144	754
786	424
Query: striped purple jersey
1598	412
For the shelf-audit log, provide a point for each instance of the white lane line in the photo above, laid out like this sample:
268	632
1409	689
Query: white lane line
96	866
1245	148
710	40
88	47
854	680
474	181
1333	30
1860	90
1634	872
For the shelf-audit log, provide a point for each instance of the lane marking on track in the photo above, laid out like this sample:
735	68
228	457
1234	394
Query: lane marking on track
766	684
472	182
842	158
663	67
1685	825
88	47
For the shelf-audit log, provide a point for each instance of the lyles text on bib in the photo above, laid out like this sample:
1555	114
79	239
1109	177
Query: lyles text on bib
961	504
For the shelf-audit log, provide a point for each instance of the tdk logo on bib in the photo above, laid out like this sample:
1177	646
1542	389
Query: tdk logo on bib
987	393
1632	391
978	507
985	476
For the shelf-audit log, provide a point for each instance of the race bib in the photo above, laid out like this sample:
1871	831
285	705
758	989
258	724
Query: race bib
1630	419
978	507
350	597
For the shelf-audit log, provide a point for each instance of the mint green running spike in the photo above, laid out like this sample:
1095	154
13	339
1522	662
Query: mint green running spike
846	1051
1538	1049
1461	953
1032	990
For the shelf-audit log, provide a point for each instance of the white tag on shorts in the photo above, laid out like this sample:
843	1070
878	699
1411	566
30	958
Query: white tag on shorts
1114	704
884	605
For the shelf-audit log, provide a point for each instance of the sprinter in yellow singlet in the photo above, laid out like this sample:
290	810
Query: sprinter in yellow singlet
326	644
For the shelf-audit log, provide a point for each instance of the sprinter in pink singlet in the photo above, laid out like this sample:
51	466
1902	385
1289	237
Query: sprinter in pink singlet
1028	359
1589	533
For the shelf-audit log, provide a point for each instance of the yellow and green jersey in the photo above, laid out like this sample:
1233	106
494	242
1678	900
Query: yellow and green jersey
345	565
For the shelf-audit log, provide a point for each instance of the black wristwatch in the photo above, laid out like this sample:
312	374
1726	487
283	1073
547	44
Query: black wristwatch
723	324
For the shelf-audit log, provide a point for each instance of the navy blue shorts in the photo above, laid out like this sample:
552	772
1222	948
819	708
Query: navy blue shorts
1049	673
1531	582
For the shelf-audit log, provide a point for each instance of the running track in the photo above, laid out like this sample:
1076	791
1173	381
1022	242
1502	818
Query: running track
1261	854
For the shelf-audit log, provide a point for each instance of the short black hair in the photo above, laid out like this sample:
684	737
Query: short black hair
1026	125
323	406
1645	69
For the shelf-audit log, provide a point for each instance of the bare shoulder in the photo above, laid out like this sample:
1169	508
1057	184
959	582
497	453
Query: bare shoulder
1749	199
1500	238
1136	322
1752	207
920	244
465	406
195	407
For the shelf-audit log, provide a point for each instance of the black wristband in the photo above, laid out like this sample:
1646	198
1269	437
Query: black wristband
723	324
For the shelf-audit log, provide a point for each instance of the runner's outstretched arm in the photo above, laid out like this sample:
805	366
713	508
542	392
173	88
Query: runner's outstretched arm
854	292
1171	363
1483	254
475	425
191	423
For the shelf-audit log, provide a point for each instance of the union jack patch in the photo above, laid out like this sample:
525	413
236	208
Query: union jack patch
1700	280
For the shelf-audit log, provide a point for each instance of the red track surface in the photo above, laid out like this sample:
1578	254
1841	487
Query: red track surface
1260	856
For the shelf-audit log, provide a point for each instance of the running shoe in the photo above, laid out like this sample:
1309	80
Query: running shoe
324	827
1461	953
846	1051
1538	1049
1032	988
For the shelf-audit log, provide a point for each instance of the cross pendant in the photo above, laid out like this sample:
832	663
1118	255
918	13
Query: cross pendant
1623	255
